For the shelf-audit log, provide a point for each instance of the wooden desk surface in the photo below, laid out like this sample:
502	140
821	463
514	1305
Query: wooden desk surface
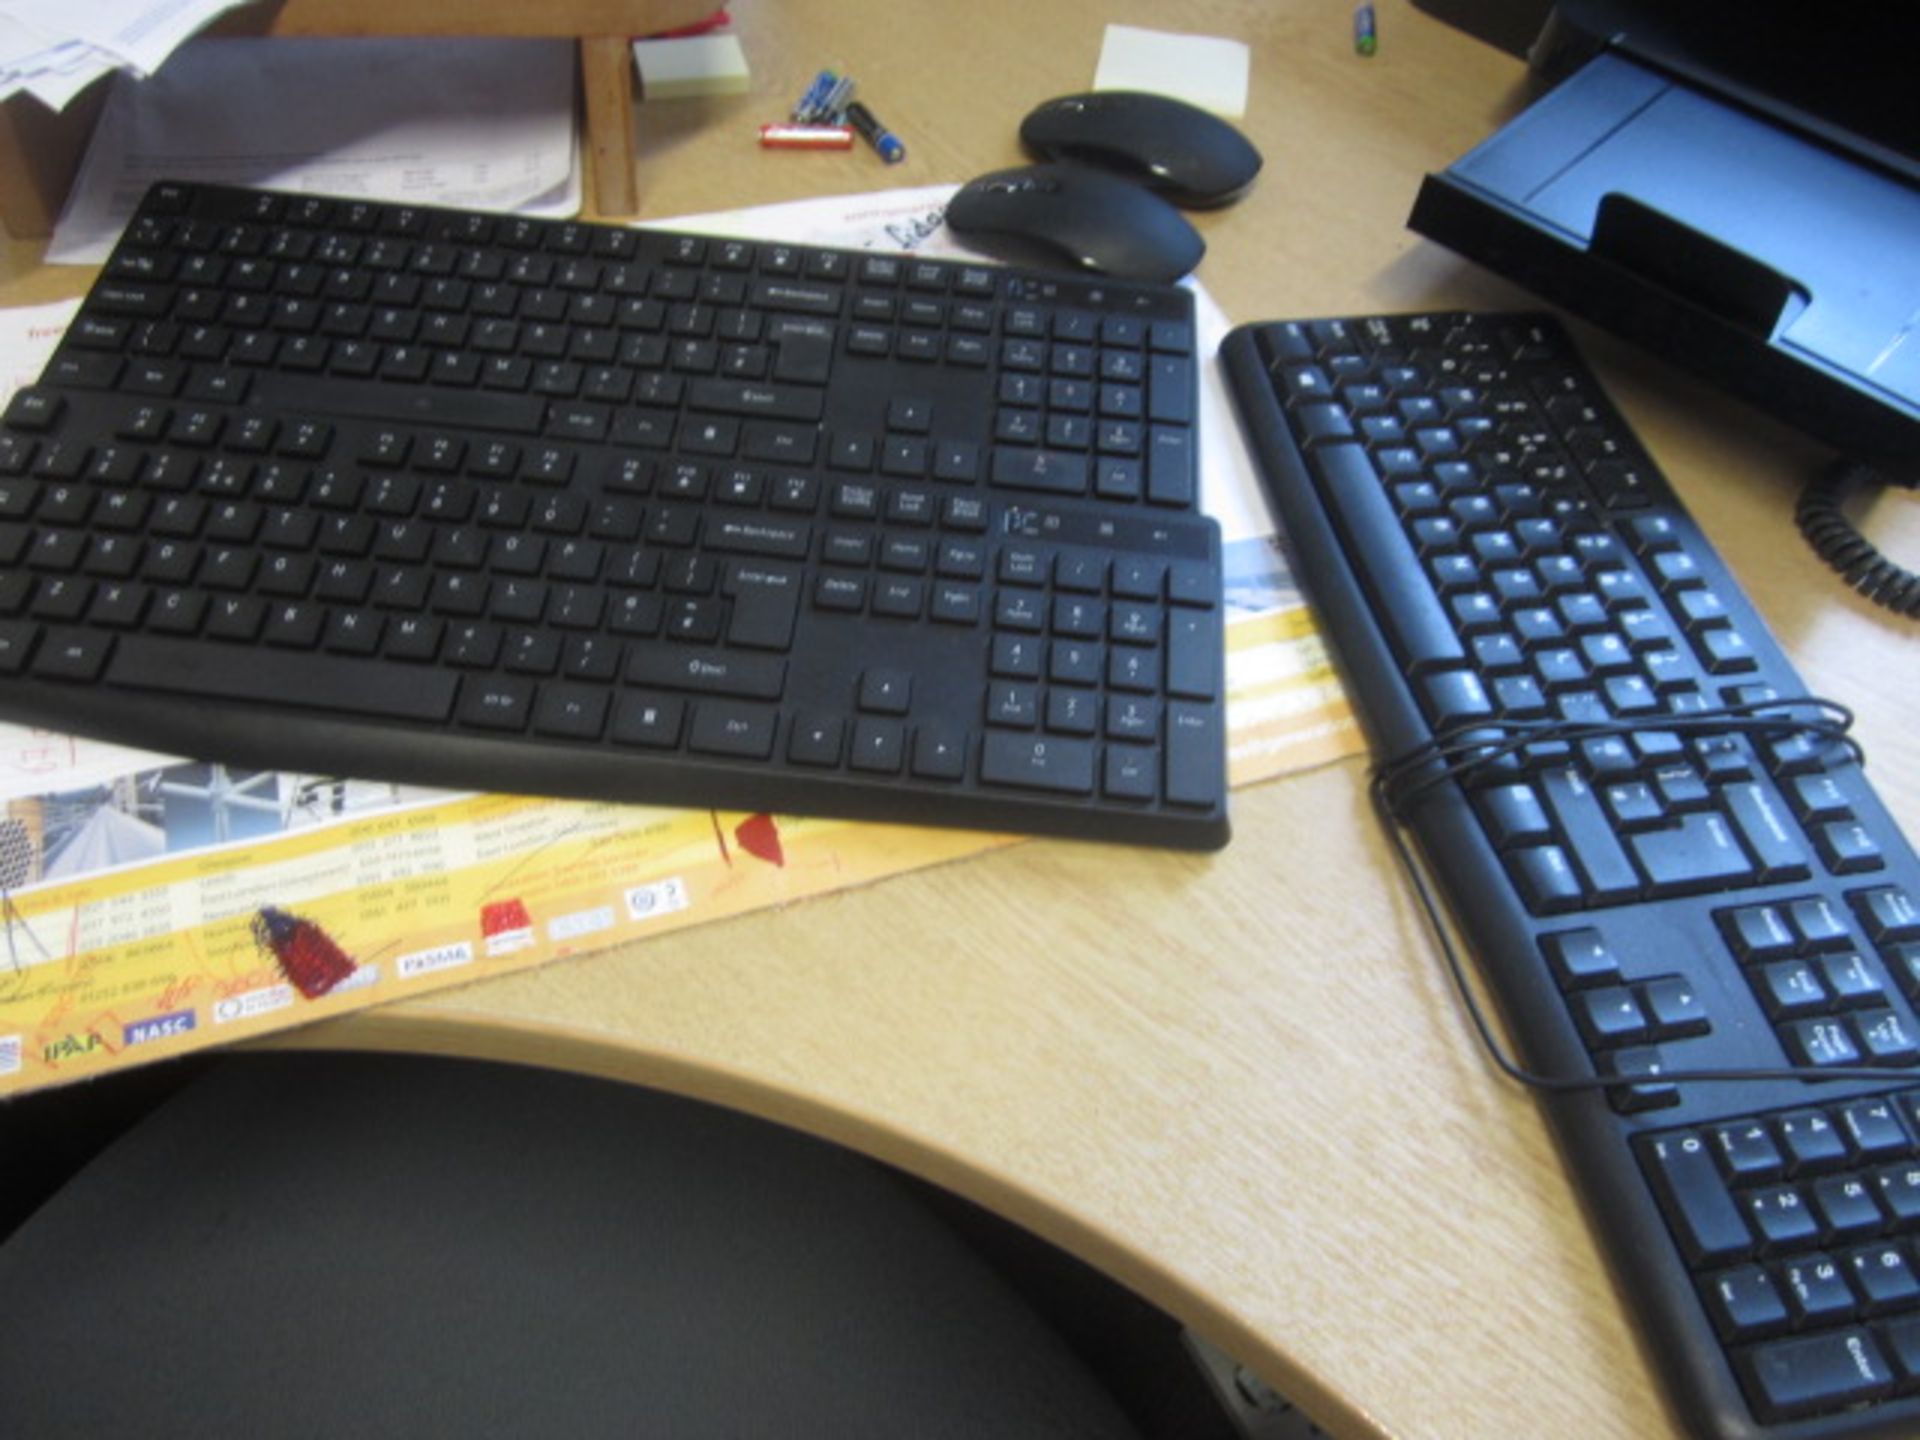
1238	1082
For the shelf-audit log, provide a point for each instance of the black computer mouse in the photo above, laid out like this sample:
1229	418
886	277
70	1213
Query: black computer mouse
1191	157
1075	218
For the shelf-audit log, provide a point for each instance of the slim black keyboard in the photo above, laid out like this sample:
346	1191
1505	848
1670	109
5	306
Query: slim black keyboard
1664	865
581	510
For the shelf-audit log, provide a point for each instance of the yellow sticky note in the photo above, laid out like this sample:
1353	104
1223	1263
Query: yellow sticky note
1203	70
691	65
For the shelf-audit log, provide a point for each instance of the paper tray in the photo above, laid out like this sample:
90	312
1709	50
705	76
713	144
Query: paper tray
1775	263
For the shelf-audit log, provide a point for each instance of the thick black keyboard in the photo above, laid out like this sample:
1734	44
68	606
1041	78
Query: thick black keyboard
1661	869
580	510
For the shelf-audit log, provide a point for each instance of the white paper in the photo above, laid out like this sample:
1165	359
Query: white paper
141	33
482	124
1203	70
915	220
52	73
54	49
28	336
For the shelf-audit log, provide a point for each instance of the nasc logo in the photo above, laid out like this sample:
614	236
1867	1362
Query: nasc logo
160	1027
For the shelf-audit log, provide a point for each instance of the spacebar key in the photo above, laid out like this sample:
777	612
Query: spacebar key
273	677
401	404
1419	628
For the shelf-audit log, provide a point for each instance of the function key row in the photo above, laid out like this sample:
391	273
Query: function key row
207	219
213	221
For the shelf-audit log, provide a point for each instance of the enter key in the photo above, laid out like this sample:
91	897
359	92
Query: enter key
766	601
1769	830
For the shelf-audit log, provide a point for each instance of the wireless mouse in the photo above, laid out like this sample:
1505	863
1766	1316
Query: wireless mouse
1071	217
1189	156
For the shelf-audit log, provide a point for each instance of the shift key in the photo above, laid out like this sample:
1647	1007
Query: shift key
707	672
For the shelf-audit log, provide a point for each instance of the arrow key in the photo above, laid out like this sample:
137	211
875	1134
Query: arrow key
1674	1007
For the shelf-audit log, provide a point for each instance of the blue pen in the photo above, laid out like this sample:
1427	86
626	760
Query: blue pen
875	134
1364	40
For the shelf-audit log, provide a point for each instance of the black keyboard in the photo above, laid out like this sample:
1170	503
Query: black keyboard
572	509
1663	864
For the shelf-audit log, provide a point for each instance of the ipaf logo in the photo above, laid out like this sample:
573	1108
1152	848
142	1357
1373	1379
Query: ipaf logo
72	1047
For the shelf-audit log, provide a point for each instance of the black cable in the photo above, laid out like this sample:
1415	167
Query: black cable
1464	750
1821	516
1479	745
